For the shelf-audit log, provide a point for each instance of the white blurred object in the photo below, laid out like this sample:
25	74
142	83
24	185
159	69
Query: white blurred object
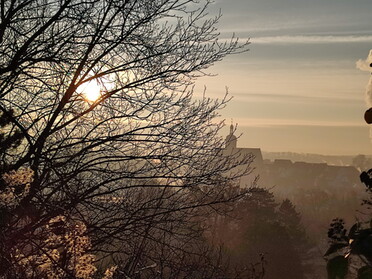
365	65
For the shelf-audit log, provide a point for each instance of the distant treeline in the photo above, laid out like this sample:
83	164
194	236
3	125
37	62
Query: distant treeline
340	160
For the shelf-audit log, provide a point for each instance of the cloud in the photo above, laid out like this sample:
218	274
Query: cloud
310	39
275	122
299	98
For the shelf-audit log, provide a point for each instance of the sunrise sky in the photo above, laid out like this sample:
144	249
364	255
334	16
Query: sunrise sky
298	88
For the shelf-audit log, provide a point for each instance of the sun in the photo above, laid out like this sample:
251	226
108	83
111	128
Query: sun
91	90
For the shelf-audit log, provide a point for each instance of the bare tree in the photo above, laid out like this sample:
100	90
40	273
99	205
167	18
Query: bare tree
139	159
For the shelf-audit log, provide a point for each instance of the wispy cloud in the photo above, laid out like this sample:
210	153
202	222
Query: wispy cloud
311	39
272	122
287	97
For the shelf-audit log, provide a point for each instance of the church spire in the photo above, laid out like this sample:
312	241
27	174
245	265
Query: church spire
231	127
231	139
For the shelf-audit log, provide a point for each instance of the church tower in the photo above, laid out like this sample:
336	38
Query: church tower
231	139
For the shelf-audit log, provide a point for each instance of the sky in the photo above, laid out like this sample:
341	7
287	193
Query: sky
297	89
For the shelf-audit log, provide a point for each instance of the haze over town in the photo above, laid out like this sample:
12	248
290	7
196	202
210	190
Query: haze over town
298	88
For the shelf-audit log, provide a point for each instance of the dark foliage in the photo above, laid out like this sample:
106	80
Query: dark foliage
258	224
353	243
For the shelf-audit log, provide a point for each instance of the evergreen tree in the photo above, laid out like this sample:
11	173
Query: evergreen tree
291	220
260	226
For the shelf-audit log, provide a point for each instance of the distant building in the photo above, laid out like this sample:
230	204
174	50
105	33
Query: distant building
231	147
286	175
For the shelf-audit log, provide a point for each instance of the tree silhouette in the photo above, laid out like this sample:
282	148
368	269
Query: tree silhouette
10	136
259	226
134	165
